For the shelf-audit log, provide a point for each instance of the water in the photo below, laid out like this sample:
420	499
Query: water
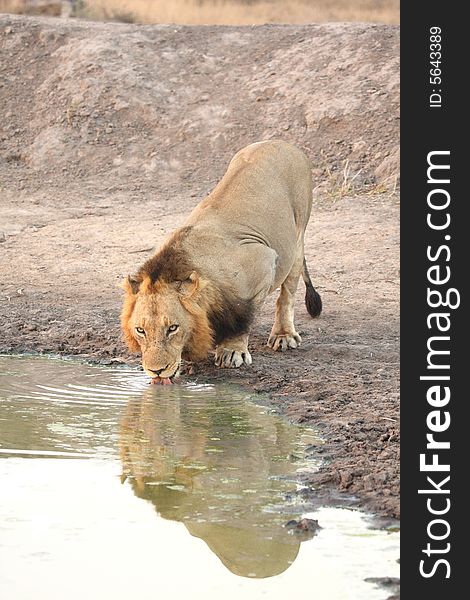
112	487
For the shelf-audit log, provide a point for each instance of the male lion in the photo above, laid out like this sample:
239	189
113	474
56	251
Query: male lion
204	285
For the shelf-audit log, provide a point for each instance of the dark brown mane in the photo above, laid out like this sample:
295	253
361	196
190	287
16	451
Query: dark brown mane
230	316
171	263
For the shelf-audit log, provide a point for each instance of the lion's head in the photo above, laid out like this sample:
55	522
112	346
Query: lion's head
166	322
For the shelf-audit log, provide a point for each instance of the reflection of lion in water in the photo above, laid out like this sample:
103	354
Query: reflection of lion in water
217	467
203	287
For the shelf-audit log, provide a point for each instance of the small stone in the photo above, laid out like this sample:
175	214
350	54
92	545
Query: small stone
304	527
106	361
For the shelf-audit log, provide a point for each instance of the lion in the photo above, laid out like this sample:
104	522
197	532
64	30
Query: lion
203	287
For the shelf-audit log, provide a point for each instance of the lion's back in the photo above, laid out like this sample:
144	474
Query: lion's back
266	179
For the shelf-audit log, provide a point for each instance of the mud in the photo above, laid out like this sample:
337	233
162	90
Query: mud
110	134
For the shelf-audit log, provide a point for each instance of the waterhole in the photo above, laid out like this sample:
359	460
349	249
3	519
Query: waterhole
114	488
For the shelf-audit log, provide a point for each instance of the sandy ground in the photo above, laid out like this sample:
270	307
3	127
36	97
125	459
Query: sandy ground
110	134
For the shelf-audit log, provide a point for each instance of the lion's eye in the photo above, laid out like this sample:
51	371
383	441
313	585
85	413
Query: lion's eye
172	328
140	330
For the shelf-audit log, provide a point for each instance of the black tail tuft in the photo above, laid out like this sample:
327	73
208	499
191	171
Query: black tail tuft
312	300
312	297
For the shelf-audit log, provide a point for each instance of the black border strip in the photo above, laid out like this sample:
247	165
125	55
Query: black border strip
433	128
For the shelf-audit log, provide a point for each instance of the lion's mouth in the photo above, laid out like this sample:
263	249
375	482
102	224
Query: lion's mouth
162	381
165	380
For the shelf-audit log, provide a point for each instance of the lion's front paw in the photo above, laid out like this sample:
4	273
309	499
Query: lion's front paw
284	341
226	357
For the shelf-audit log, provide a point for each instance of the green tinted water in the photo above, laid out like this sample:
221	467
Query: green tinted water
113	487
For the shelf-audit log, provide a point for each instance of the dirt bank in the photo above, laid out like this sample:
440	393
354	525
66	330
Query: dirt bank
110	133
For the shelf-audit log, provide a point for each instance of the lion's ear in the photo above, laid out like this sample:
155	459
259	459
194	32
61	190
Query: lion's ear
132	284
190	285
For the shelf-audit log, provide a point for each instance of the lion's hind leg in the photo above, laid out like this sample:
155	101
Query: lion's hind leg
283	334
233	352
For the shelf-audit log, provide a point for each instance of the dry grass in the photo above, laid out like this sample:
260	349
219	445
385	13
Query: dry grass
346	181
24	7
10	6
228	12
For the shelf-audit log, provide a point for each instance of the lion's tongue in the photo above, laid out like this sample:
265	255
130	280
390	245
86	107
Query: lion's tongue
162	381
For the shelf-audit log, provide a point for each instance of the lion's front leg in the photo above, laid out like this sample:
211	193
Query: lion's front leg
233	352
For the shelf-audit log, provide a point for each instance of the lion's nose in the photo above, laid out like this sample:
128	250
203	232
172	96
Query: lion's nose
159	370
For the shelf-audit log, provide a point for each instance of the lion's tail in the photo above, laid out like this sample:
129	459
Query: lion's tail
312	297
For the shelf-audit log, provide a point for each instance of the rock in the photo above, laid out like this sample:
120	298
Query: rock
388	172
305	528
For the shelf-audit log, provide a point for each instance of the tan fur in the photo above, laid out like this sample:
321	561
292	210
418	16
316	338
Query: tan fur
237	246
127	310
